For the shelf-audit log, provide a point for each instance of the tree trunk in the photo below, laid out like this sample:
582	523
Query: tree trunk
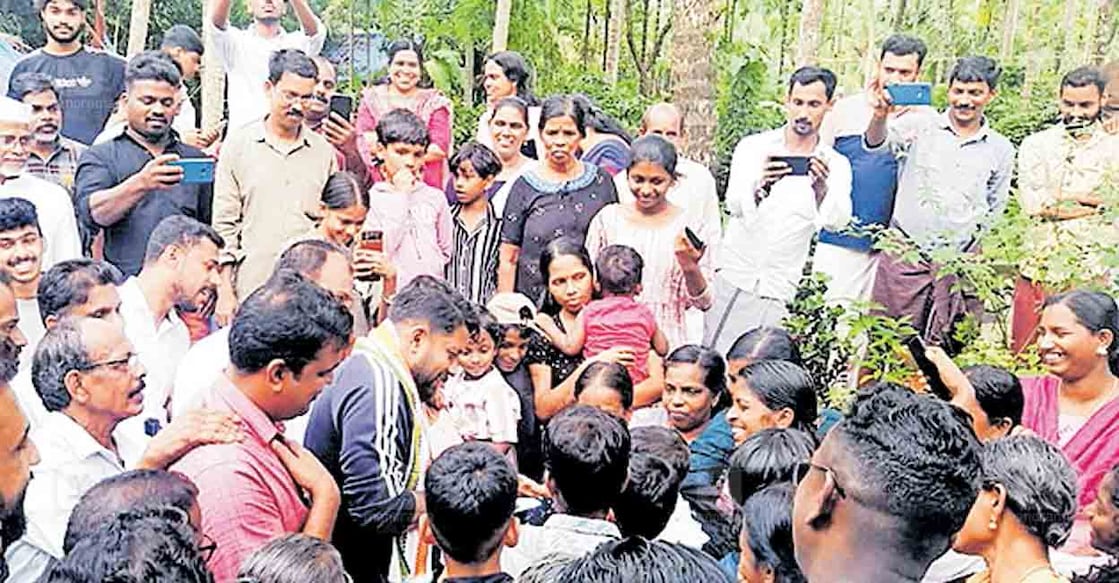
899	16
692	74
869	52
1103	31
587	36
808	41
213	77
1009	29
1067	40
501	24
614	23
468	75
784	48
138	26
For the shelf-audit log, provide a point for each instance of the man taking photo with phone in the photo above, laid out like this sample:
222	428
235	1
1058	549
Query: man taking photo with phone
329	113
784	186
128	185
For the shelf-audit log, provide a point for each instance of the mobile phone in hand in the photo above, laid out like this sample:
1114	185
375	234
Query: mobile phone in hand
371	240
798	165
910	93
932	374
694	239
195	170
343	105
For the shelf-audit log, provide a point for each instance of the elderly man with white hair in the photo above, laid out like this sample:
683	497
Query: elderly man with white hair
52	203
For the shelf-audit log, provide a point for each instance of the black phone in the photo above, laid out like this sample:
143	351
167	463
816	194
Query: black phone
343	105
694	239
927	367
797	164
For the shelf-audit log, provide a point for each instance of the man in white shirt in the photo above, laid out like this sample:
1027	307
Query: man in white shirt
775	212
17	455
694	190
56	212
21	258
180	270
90	380
244	53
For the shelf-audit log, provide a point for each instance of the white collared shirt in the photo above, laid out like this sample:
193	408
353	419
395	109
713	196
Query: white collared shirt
694	192
244	57
71	462
33	329
57	219
765	245
160	349
198	370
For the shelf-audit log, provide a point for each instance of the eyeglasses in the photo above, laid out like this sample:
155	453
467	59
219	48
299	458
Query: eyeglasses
124	363
251	579
207	547
10	141
804	468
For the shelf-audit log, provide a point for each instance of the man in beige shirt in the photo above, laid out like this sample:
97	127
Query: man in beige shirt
269	176
1064	173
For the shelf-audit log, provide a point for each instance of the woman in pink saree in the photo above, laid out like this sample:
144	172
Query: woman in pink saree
1076	406
403	91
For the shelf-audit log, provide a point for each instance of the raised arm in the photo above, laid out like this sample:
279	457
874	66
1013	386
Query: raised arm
219	13
307	20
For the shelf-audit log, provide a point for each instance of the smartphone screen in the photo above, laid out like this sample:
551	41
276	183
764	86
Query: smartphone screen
371	240
343	105
798	164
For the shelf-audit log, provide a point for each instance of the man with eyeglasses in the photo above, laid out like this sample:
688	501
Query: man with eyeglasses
90	380
52	202
270	175
887	489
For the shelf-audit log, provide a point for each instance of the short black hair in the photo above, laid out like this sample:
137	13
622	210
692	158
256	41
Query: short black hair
292	61
471	492
607	374
619	268
153	66
808	75
41	5
67	284
183	37
1084	77
431	300
179	230
156	545
401	126
917	459
765	343
767	523
486	164
134	490
713	366
586	452
290	319
638	560
998	391
649	497
904	44
767	457
307	257
654	150
976	69
783	385
662	442
17	213
30	82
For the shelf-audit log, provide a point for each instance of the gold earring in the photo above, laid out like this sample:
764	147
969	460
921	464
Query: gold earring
994	524
1101	351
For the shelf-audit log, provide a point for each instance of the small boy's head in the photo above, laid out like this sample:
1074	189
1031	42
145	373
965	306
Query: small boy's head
474	168
514	315
586	452
471	493
619	270
657	467
477	359
402	141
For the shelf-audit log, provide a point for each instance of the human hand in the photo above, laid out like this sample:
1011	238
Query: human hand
404	180
340	132
368	263
529	488
226	305
193	429
772	171
879	99
306	469
818	170
687	255
617	355
159	174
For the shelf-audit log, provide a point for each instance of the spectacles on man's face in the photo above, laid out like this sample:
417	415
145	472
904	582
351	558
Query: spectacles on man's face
127	362
804	468
206	547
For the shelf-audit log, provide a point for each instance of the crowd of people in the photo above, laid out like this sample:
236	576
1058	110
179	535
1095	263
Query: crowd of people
317	345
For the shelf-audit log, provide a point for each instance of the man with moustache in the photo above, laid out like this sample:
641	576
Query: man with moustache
88	80
50	156
775	213
366	427
245	54
1063	173
953	183
52	203
17	455
270	176
180	272
126	186
336	129
89	378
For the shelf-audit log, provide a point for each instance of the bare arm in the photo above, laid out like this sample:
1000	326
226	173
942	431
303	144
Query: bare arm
569	342
876	130
108	206
649	391
306	17
219	14
660	342
507	267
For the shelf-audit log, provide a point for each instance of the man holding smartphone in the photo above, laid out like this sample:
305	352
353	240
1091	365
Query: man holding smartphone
127	185
322	118
784	186
953	183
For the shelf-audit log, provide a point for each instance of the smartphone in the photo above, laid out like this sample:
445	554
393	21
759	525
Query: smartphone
343	105
694	239
910	93
372	240
798	164
196	170
932	374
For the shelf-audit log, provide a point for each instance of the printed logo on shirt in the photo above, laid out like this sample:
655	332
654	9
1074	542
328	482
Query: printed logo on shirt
71	83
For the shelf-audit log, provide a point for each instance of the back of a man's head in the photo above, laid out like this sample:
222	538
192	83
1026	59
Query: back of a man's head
179	230
649	497
432	301
638	560
135	491
471	492
586	452
906	466
294	558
